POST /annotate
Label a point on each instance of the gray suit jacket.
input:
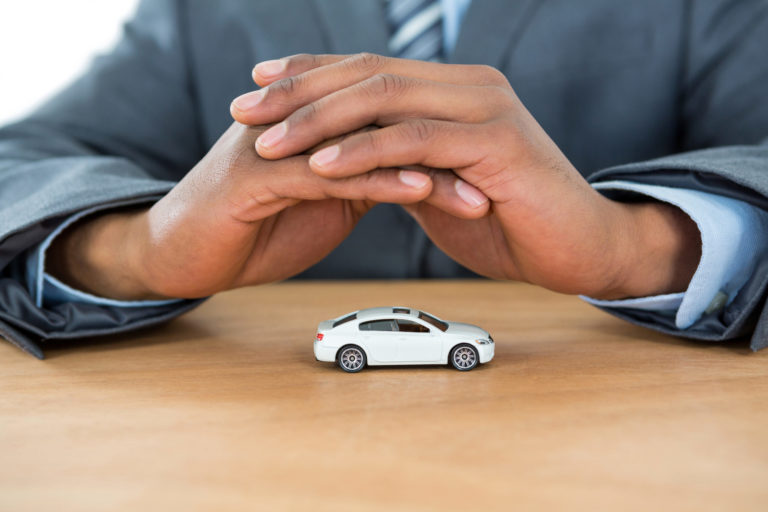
(668, 92)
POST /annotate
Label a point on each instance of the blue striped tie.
(417, 29)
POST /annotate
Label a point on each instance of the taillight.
(319, 336)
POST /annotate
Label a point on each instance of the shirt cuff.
(49, 291)
(734, 235)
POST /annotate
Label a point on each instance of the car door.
(417, 343)
(380, 338)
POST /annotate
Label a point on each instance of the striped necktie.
(417, 29)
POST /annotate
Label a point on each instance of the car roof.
(370, 313)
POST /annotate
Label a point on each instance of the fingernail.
(325, 156)
(249, 100)
(470, 194)
(273, 136)
(270, 68)
(414, 179)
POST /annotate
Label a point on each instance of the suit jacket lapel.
(490, 29)
(354, 25)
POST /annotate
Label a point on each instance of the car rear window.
(434, 321)
(344, 320)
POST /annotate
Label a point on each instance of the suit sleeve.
(724, 143)
(120, 135)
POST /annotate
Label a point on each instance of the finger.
(426, 142)
(326, 74)
(268, 71)
(368, 64)
(455, 196)
(292, 180)
(381, 100)
(443, 190)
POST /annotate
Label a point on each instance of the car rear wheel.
(464, 357)
(351, 358)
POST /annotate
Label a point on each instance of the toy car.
(396, 335)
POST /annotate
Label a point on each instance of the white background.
(44, 44)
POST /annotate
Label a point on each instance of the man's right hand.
(234, 220)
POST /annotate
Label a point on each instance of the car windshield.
(344, 320)
(443, 326)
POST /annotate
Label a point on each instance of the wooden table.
(226, 409)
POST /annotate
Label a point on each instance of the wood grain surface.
(226, 409)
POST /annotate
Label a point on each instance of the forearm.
(657, 247)
(102, 255)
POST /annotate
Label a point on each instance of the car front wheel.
(351, 358)
(464, 357)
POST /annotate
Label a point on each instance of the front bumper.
(486, 352)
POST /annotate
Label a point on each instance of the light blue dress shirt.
(734, 235)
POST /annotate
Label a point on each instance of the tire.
(351, 358)
(464, 357)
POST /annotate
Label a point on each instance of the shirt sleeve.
(734, 236)
(48, 291)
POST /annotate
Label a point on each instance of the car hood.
(468, 330)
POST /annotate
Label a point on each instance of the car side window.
(410, 326)
(377, 325)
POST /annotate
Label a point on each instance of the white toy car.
(396, 335)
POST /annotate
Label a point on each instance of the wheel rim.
(352, 359)
(464, 357)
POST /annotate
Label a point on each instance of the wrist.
(657, 250)
(99, 255)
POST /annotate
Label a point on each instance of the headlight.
(483, 341)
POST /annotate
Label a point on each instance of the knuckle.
(372, 142)
(494, 130)
(491, 76)
(287, 86)
(420, 130)
(371, 179)
(367, 62)
(498, 96)
(299, 61)
(301, 57)
(363, 184)
(307, 113)
(386, 85)
(298, 58)
(311, 60)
